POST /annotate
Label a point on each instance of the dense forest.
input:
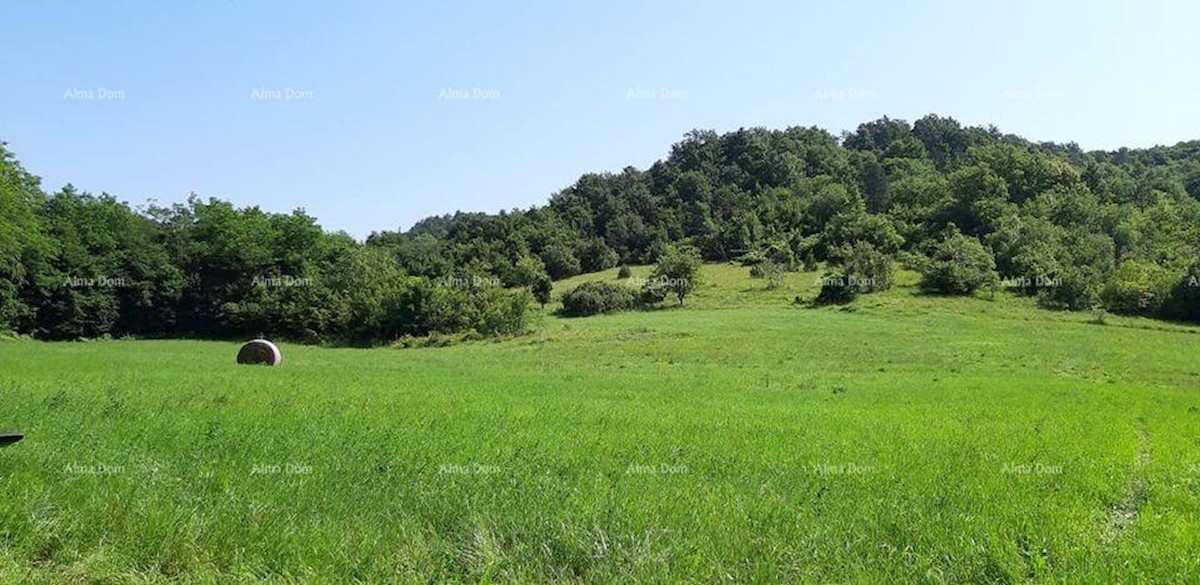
(1078, 230)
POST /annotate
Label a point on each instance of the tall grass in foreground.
(902, 439)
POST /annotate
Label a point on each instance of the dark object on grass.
(7, 439)
(259, 351)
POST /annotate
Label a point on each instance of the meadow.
(740, 438)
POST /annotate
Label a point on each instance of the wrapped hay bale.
(259, 351)
(7, 439)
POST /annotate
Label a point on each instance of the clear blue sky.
(399, 110)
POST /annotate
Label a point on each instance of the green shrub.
(865, 269)
(835, 289)
(774, 274)
(809, 261)
(752, 258)
(847, 228)
(524, 272)
(869, 267)
(1137, 288)
(541, 289)
(1184, 302)
(624, 272)
(772, 271)
(913, 261)
(498, 312)
(960, 265)
(594, 255)
(560, 261)
(1073, 289)
(678, 270)
(653, 291)
(594, 298)
(781, 253)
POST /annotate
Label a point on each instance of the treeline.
(73, 265)
(1078, 230)
(970, 207)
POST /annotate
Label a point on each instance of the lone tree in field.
(678, 271)
(541, 288)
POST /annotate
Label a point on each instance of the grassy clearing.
(902, 438)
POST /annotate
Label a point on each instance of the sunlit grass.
(902, 438)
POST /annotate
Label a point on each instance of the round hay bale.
(259, 351)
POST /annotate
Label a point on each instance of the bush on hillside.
(595, 298)
(1074, 289)
(913, 261)
(959, 265)
(653, 292)
(541, 289)
(524, 272)
(773, 272)
(678, 270)
(496, 312)
(1137, 288)
(1184, 302)
(865, 269)
(594, 256)
(871, 267)
(752, 258)
(834, 289)
(560, 261)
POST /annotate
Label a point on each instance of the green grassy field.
(739, 439)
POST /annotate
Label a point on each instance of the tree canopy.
(1118, 229)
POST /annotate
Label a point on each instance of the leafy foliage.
(865, 269)
(541, 289)
(595, 298)
(960, 265)
(677, 272)
(1137, 288)
(1184, 302)
(1118, 229)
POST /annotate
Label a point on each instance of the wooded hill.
(1117, 230)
